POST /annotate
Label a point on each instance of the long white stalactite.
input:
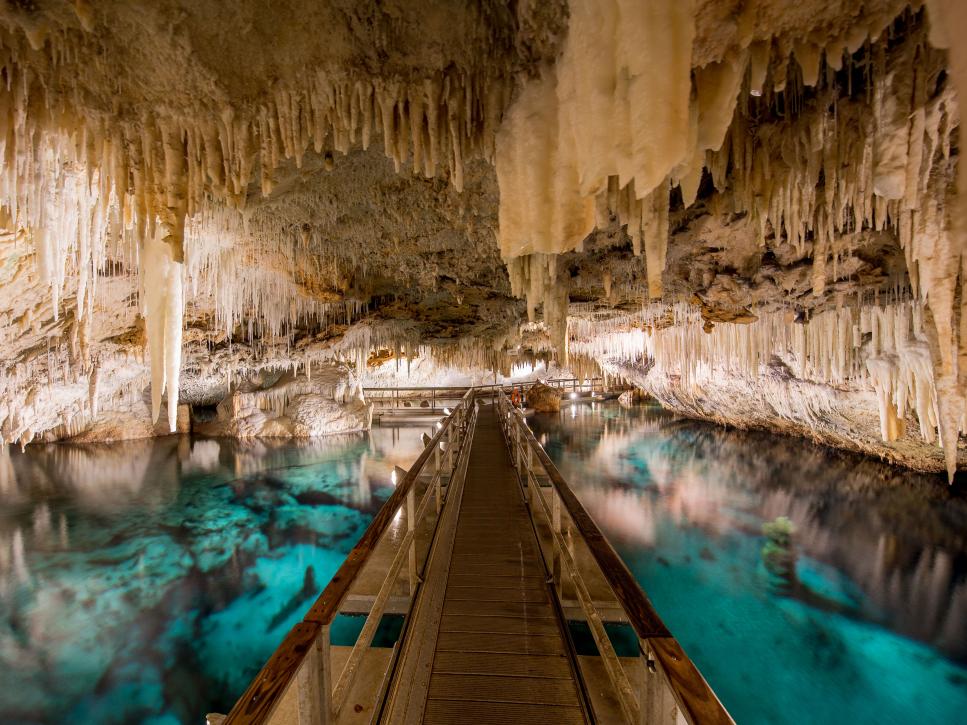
(164, 312)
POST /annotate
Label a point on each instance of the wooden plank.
(448, 712)
(502, 688)
(503, 625)
(531, 610)
(498, 642)
(501, 594)
(477, 568)
(498, 581)
(470, 663)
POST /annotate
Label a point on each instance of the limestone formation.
(754, 210)
(543, 398)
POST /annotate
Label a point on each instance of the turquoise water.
(147, 582)
(860, 616)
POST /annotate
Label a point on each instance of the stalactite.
(163, 311)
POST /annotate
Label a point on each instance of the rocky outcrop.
(127, 424)
(632, 397)
(292, 406)
(544, 398)
(844, 416)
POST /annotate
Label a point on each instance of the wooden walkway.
(501, 654)
(484, 639)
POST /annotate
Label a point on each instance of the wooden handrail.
(264, 693)
(488, 386)
(697, 701)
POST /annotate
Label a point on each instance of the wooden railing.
(438, 397)
(581, 559)
(299, 683)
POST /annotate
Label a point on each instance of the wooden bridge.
(491, 565)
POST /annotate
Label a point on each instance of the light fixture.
(446, 411)
(574, 396)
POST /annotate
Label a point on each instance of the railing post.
(531, 476)
(656, 703)
(556, 526)
(451, 445)
(442, 466)
(438, 492)
(313, 683)
(411, 527)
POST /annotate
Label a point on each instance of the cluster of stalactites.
(647, 224)
(880, 346)
(535, 277)
(68, 186)
(435, 123)
(593, 116)
(878, 160)
(606, 338)
(70, 183)
(593, 127)
(260, 279)
(883, 159)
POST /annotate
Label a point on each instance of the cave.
(482, 360)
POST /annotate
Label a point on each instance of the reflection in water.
(147, 581)
(853, 608)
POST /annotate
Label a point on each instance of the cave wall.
(761, 199)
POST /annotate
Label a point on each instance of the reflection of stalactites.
(18, 559)
(41, 521)
(204, 456)
(62, 532)
(8, 477)
(364, 491)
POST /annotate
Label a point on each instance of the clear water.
(860, 618)
(147, 582)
